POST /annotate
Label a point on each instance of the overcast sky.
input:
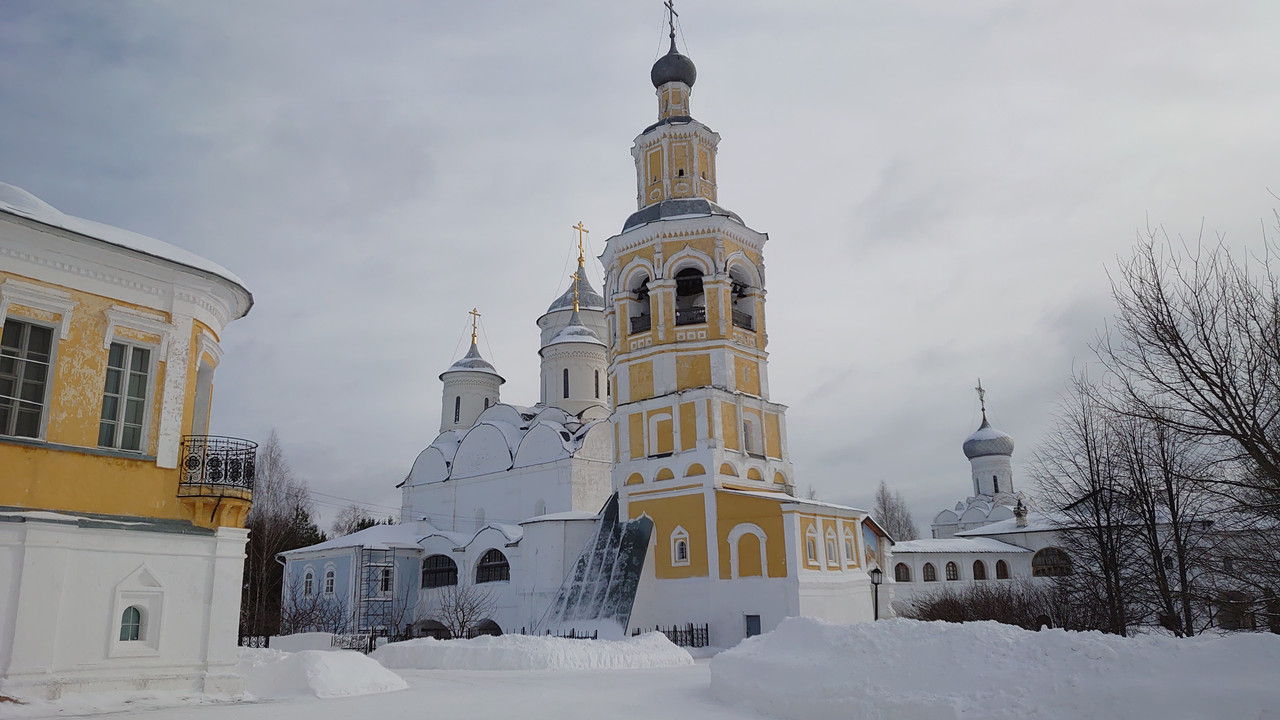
(945, 186)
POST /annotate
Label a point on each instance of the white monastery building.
(650, 484)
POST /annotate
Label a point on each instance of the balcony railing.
(691, 316)
(641, 324)
(210, 462)
(743, 320)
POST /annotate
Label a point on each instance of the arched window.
(638, 305)
(930, 574)
(1050, 562)
(833, 555)
(486, 403)
(979, 570)
(457, 408)
(953, 571)
(901, 573)
(691, 306)
(308, 584)
(597, 384)
(439, 571)
(743, 302)
(131, 624)
(566, 382)
(995, 480)
(679, 547)
(493, 567)
(1002, 570)
(849, 547)
(811, 544)
(328, 582)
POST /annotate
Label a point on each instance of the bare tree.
(352, 518)
(891, 512)
(314, 612)
(279, 520)
(460, 607)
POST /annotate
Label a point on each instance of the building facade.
(121, 519)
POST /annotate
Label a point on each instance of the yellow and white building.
(700, 447)
(121, 520)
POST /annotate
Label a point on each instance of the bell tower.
(685, 307)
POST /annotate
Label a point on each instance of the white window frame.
(811, 544)
(330, 580)
(680, 535)
(49, 376)
(308, 582)
(385, 578)
(832, 548)
(148, 398)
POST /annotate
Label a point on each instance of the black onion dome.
(673, 67)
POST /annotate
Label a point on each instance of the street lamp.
(877, 576)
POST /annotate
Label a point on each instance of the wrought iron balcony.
(213, 465)
(641, 323)
(743, 320)
(691, 316)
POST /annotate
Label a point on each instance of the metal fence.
(687, 635)
(254, 641)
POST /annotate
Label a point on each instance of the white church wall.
(66, 590)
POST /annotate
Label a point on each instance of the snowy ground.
(892, 670)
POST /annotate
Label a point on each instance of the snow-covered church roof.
(987, 440)
(587, 296)
(472, 362)
(956, 545)
(507, 436)
(576, 332)
(16, 201)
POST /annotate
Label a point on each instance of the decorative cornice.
(136, 320)
(205, 343)
(37, 297)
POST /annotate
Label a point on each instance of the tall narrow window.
(457, 408)
(387, 582)
(308, 584)
(124, 399)
(597, 384)
(328, 582)
(486, 403)
(995, 480)
(566, 382)
(24, 375)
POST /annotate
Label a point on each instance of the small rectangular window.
(457, 408)
(25, 354)
(597, 384)
(124, 398)
(566, 382)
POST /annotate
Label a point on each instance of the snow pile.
(530, 652)
(909, 670)
(272, 674)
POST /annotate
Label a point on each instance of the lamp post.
(877, 576)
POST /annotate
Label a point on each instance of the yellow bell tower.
(689, 371)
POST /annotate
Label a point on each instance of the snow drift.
(909, 670)
(272, 674)
(531, 652)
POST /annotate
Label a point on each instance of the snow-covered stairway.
(600, 590)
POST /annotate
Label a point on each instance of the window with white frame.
(308, 584)
(679, 547)
(387, 582)
(26, 351)
(328, 581)
(132, 628)
(811, 544)
(833, 556)
(850, 547)
(124, 397)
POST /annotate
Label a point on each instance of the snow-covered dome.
(576, 332)
(987, 440)
(587, 296)
(472, 362)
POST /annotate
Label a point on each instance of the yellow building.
(121, 519)
(701, 449)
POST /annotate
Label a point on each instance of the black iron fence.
(687, 635)
(641, 323)
(743, 320)
(691, 316)
(213, 461)
(254, 641)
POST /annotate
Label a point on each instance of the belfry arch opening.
(691, 301)
(638, 304)
(743, 298)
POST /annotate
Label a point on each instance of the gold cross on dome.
(575, 279)
(475, 315)
(582, 231)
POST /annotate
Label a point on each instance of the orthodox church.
(651, 482)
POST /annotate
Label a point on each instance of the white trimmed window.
(679, 547)
(850, 547)
(387, 583)
(811, 544)
(26, 354)
(833, 555)
(124, 398)
(328, 581)
(308, 584)
(132, 628)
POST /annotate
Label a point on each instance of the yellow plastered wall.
(641, 374)
(829, 526)
(693, 371)
(729, 425)
(732, 510)
(686, 511)
(62, 478)
(688, 426)
(772, 435)
(663, 440)
(747, 373)
(635, 429)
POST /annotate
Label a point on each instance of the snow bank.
(298, 642)
(529, 652)
(909, 670)
(273, 674)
